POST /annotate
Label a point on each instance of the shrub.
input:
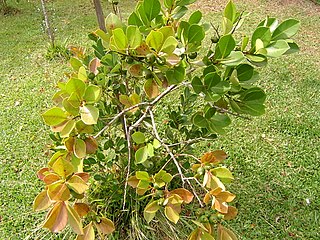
(130, 116)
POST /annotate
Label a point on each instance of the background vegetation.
(274, 157)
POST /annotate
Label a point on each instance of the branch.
(118, 116)
(190, 141)
(155, 131)
(223, 110)
(235, 26)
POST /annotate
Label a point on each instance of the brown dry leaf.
(81, 208)
(231, 214)
(186, 195)
(106, 226)
(93, 65)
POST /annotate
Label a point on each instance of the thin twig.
(190, 141)
(188, 155)
(128, 138)
(216, 29)
(236, 25)
(223, 110)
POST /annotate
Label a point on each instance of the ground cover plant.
(135, 65)
(256, 223)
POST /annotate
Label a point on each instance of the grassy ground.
(275, 157)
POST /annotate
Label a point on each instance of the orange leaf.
(226, 196)
(42, 173)
(231, 214)
(207, 198)
(74, 220)
(42, 201)
(106, 226)
(51, 178)
(81, 208)
(186, 195)
(57, 218)
(222, 207)
(88, 233)
(220, 155)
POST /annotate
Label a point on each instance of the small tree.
(132, 114)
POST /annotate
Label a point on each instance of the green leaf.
(155, 40)
(195, 17)
(195, 34)
(213, 84)
(151, 8)
(150, 150)
(74, 220)
(54, 116)
(75, 63)
(162, 177)
(82, 74)
(69, 107)
(277, 49)
(119, 39)
(270, 22)
(185, 2)
(286, 29)
(83, 128)
(234, 59)
(92, 94)
(156, 144)
(262, 33)
(134, 37)
(200, 121)
(134, 20)
(168, 3)
(218, 122)
(89, 114)
(75, 85)
(227, 25)
(171, 214)
(176, 75)
(79, 148)
(293, 48)
(197, 84)
(141, 155)
(138, 137)
(230, 11)
(245, 72)
(179, 12)
(224, 47)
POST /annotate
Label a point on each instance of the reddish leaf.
(91, 145)
(105, 226)
(186, 195)
(57, 218)
(85, 176)
(81, 208)
(93, 65)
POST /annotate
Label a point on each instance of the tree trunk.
(99, 13)
(47, 22)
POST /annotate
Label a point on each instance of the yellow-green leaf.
(54, 116)
(62, 167)
(89, 114)
(171, 214)
(77, 184)
(42, 201)
(92, 94)
(58, 192)
(74, 220)
(225, 234)
(65, 132)
(79, 148)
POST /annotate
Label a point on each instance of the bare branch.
(128, 138)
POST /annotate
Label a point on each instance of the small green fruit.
(193, 55)
(214, 39)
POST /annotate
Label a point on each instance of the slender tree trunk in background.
(99, 13)
(47, 22)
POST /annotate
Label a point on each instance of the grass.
(274, 157)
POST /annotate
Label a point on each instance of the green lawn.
(275, 158)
